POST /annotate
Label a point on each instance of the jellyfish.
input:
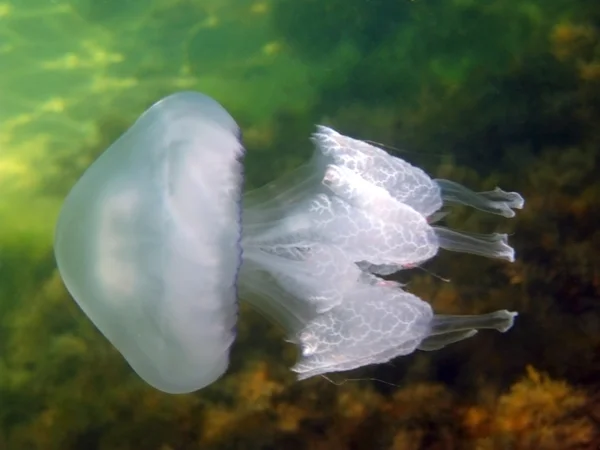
(156, 244)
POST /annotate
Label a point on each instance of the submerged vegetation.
(485, 93)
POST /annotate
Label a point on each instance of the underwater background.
(486, 93)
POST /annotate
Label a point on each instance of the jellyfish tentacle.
(495, 202)
(439, 341)
(501, 320)
(494, 245)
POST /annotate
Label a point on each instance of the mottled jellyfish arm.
(404, 182)
(447, 329)
(371, 225)
(357, 191)
(495, 202)
(374, 324)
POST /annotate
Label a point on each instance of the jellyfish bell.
(147, 242)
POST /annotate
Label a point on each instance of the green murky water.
(485, 93)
